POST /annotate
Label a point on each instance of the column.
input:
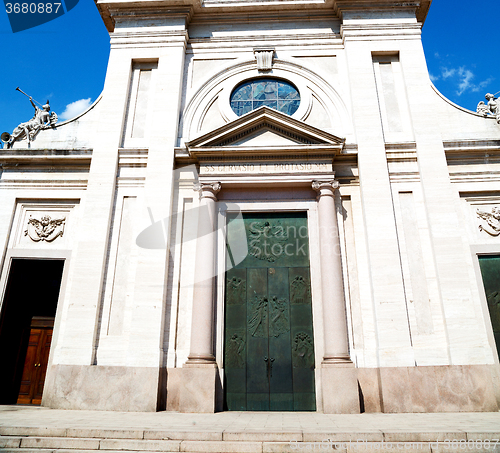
(340, 387)
(334, 316)
(203, 298)
(199, 373)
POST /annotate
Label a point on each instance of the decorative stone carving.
(492, 108)
(264, 56)
(325, 187)
(207, 190)
(492, 226)
(45, 229)
(42, 119)
(266, 240)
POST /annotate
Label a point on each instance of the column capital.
(207, 190)
(325, 187)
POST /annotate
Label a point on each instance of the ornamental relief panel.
(266, 240)
(45, 229)
(43, 225)
(268, 316)
(236, 291)
(482, 218)
(490, 221)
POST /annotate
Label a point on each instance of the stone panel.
(174, 380)
(101, 388)
(456, 388)
(368, 381)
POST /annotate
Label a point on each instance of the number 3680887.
(32, 8)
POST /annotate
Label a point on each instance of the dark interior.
(32, 290)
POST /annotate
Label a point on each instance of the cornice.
(421, 7)
(111, 9)
(45, 157)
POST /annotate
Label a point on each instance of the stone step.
(70, 440)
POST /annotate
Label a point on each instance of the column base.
(198, 387)
(200, 360)
(340, 388)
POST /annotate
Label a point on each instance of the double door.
(269, 348)
(35, 365)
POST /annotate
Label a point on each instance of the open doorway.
(26, 325)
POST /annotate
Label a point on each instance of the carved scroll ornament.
(46, 229)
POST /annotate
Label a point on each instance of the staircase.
(43, 430)
(73, 440)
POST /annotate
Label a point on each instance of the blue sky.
(65, 60)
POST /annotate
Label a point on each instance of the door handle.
(269, 363)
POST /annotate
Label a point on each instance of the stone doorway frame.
(63, 255)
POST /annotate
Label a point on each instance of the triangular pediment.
(265, 136)
(262, 130)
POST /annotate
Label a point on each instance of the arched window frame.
(277, 101)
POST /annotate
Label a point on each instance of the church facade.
(269, 207)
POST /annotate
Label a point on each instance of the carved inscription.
(266, 168)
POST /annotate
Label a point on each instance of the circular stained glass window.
(273, 93)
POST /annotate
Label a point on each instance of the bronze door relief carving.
(269, 348)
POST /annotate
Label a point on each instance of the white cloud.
(75, 108)
(447, 73)
(462, 78)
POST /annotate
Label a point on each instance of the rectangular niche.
(47, 224)
(137, 115)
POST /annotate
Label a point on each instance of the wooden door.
(269, 350)
(35, 364)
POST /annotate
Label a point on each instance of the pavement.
(41, 417)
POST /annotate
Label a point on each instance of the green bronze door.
(269, 350)
(490, 271)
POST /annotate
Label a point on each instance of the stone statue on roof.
(492, 108)
(42, 119)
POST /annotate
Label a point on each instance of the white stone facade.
(400, 316)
